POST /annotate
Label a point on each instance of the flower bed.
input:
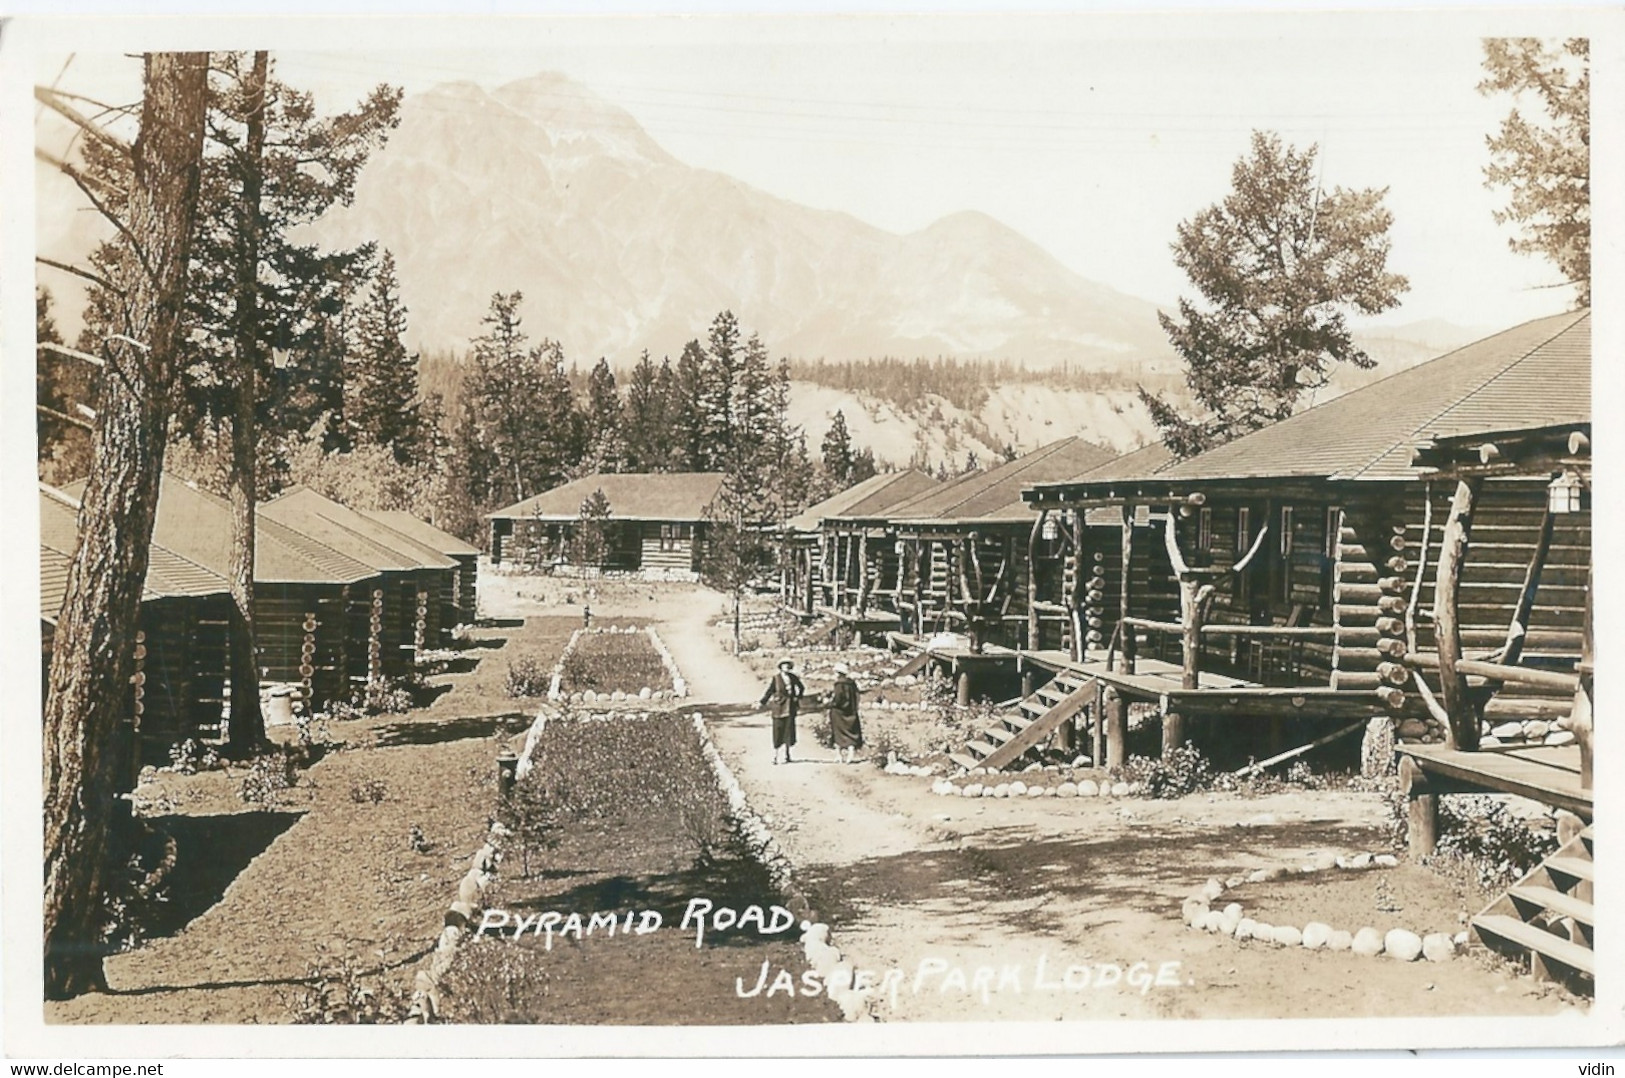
(615, 664)
(606, 831)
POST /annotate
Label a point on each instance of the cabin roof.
(197, 525)
(169, 575)
(867, 499)
(423, 532)
(666, 496)
(1534, 374)
(368, 541)
(995, 494)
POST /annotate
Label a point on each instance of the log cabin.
(461, 605)
(802, 538)
(656, 525)
(416, 577)
(966, 550)
(1290, 554)
(1517, 719)
(322, 619)
(180, 645)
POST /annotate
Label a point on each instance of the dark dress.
(784, 692)
(842, 710)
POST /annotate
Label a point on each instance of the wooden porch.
(1549, 774)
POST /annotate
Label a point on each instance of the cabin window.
(1204, 530)
(670, 534)
(1286, 531)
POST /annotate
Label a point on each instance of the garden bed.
(622, 814)
(609, 661)
(1407, 896)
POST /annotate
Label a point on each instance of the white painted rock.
(1263, 931)
(1018, 789)
(1213, 921)
(468, 890)
(618, 696)
(1508, 730)
(1067, 789)
(1385, 860)
(1081, 761)
(1002, 790)
(1030, 768)
(576, 697)
(1037, 791)
(1244, 928)
(1315, 935)
(1258, 875)
(1360, 861)
(1559, 737)
(1120, 789)
(1367, 942)
(1263, 819)
(1286, 936)
(1233, 911)
(1339, 940)
(941, 787)
(1088, 788)
(973, 789)
(1105, 789)
(1402, 944)
(1438, 947)
(1535, 729)
(816, 933)
(1228, 920)
(1193, 912)
(1234, 882)
(1212, 889)
(646, 693)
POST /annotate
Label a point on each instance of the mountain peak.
(570, 112)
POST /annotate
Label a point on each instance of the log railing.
(1261, 634)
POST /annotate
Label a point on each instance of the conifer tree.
(689, 421)
(836, 452)
(382, 406)
(605, 421)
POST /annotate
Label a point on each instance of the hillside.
(542, 187)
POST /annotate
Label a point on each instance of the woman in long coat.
(784, 692)
(842, 711)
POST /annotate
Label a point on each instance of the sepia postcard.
(807, 534)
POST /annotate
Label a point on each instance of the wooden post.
(1098, 721)
(863, 573)
(1422, 824)
(1190, 632)
(1519, 627)
(1116, 709)
(1028, 686)
(1580, 718)
(1173, 732)
(1125, 641)
(1032, 581)
(1463, 729)
(962, 688)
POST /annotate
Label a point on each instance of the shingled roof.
(1534, 374)
(865, 500)
(422, 531)
(996, 494)
(665, 496)
(333, 524)
(169, 575)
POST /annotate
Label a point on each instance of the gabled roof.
(1532, 375)
(996, 494)
(425, 533)
(344, 529)
(197, 525)
(867, 499)
(169, 575)
(681, 496)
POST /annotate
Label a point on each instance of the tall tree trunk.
(92, 658)
(247, 729)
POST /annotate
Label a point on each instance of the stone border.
(822, 955)
(1014, 786)
(679, 685)
(1198, 913)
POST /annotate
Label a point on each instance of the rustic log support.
(1580, 719)
(1519, 627)
(1125, 660)
(1422, 816)
(962, 689)
(1032, 581)
(1116, 709)
(1173, 732)
(1463, 728)
(1097, 719)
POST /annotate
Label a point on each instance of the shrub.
(495, 982)
(528, 676)
(191, 756)
(268, 775)
(340, 992)
(1183, 771)
(887, 747)
(368, 791)
(1497, 846)
(139, 886)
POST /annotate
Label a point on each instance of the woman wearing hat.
(784, 691)
(842, 710)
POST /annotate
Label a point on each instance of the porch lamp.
(1563, 493)
(1051, 530)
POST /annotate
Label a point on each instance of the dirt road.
(1050, 909)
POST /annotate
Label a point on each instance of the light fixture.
(1051, 531)
(1563, 493)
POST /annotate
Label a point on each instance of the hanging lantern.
(1563, 493)
(1051, 530)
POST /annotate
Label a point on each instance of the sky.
(1092, 135)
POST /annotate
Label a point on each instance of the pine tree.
(718, 402)
(645, 432)
(382, 406)
(836, 453)
(605, 421)
(1278, 263)
(589, 546)
(689, 420)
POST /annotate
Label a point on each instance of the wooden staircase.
(1547, 917)
(1035, 718)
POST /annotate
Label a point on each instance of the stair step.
(961, 760)
(1556, 901)
(1576, 868)
(1001, 734)
(1531, 938)
(981, 748)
